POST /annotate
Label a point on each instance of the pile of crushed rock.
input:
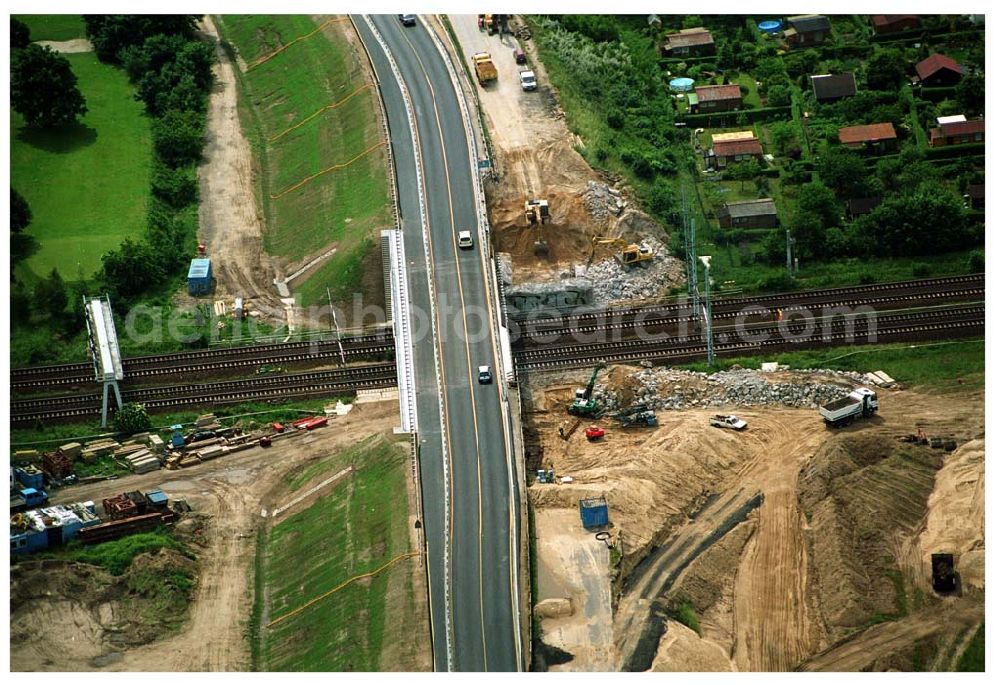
(662, 388)
(613, 281)
(603, 201)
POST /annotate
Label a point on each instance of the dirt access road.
(230, 492)
(230, 225)
(534, 154)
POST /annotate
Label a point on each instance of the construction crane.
(585, 404)
(628, 253)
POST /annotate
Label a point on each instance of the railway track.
(758, 339)
(533, 331)
(349, 379)
(355, 349)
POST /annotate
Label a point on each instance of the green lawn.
(87, 185)
(355, 529)
(345, 205)
(53, 26)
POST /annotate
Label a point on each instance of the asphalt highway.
(476, 531)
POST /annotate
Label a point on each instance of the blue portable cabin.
(594, 512)
(200, 276)
(156, 499)
(29, 477)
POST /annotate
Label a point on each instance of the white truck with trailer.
(860, 403)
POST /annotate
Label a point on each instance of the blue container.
(594, 512)
(200, 276)
(32, 479)
(770, 27)
(682, 84)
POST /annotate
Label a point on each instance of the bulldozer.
(628, 253)
(636, 415)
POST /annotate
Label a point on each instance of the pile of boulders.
(663, 388)
(614, 281)
(603, 201)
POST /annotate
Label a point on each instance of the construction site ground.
(71, 632)
(796, 546)
(535, 157)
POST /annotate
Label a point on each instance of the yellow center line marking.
(468, 356)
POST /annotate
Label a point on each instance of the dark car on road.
(408, 19)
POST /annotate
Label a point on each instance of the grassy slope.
(937, 366)
(358, 527)
(53, 26)
(346, 205)
(87, 185)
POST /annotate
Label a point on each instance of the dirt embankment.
(230, 225)
(227, 496)
(535, 156)
(787, 540)
(93, 609)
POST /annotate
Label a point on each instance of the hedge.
(937, 94)
(950, 151)
(721, 119)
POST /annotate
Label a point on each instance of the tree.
(132, 418)
(43, 88)
(20, 34)
(178, 187)
(131, 269)
(885, 69)
(784, 136)
(744, 171)
(692, 21)
(842, 170)
(50, 295)
(816, 210)
(170, 72)
(20, 303)
(926, 222)
(779, 95)
(20, 212)
(112, 33)
(971, 94)
(178, 137)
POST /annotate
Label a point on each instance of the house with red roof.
(938, 71)
(958, 133)
(876, 137)
(717, 98)
(894, 23)
(726, 152)
(696, 41)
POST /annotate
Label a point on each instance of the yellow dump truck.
(486, 71)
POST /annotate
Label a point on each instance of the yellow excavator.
(536, 212)
(628, 253)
